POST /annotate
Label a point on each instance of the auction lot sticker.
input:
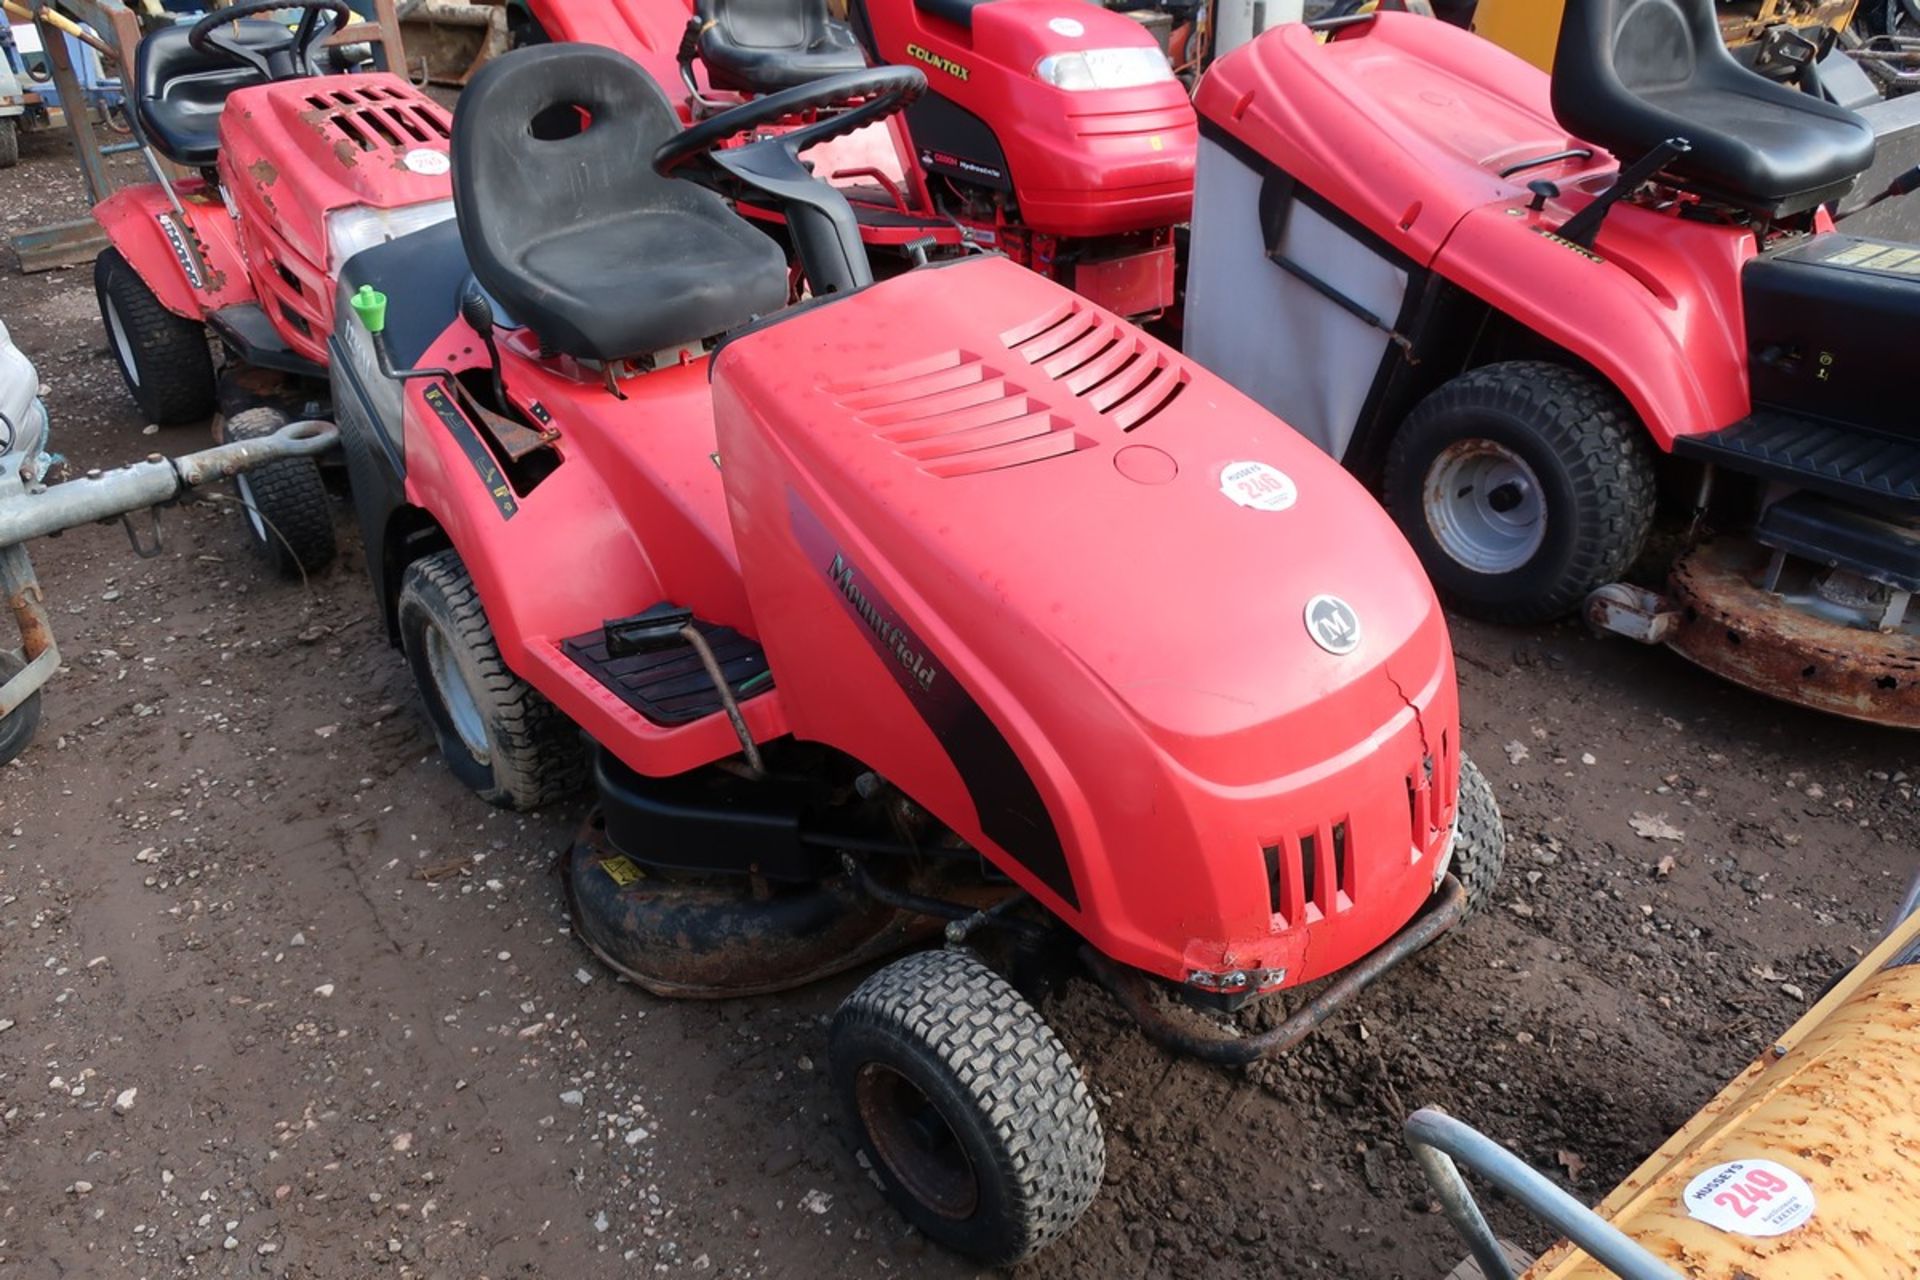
(1750, 1198)
(1257, 485)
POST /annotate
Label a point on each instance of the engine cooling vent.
(380, 118)
(1310, 875)
(955, 415)
(1101, 361)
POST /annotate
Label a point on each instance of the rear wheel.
(967, 1106)
(164, 357)
(1479, 838)
(1522, 486)
(18, 725)
(500, 737)
(289, 518)
(9, 143)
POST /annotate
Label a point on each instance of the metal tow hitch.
(29, 509)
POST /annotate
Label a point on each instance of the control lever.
(1584, 226)
(1904, 185)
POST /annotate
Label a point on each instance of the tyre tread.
(538, 758)
(176, 364)
(1602, 447)
(292, 499)
(1009, 1061)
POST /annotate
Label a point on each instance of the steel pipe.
(72, 503)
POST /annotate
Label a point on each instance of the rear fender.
(1656, 311)
(193, 268)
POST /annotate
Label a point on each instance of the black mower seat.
(180, 93)
(1629, 74)
(764, 46)
(568, 226)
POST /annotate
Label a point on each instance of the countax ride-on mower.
(1521, 322)
(950, 598)
(297, 171)
(1053, 131)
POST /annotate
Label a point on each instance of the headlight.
(1104, 68)
(351, 230)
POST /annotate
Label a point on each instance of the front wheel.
(9, 143)
(289, 519)
(163, 357)
(967, 1106)
(501, 738)
(18, 726)
(1479, 838)
(1522, 486)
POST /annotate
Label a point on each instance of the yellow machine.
(1805, 1167)
(1530, 27)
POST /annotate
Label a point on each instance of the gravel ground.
(278, 998)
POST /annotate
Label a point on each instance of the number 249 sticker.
(1257, 485)
(1750, 1198)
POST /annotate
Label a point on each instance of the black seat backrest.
(767, 24)
(179, 92)
(1630, 74)
(567, 224)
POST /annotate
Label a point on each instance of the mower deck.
(687, 936)
(1747, 635)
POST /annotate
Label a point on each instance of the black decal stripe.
(469, 441)
(1012, 813)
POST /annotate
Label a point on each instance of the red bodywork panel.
(648, 31)
(634, 515)
(295, 151)
(192, 270)
(1404, 124)
(1107, 656)
(1004, 552)
(290, 154)
(1093, 163)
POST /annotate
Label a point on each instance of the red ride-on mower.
(297, 171)
(947, 600)
(1520, 304)
(1054, 131)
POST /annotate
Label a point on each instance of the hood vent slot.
(379, 118)
(955, 415)
(1102, 361)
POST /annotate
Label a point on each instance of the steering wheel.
(293, 57)
(818, 216)
(696, 148)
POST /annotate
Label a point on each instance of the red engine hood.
(304, 148)
(1052, 482)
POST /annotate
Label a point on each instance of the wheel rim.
(463, 711)
(1484, 506)
(251, 506)
(122, 346)
(916, 1143)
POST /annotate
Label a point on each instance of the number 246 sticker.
(1750, 1198)
(1257, 485)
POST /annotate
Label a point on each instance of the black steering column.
(825, 233)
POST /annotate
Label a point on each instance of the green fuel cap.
(371, 306)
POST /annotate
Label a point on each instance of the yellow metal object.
(1531, 28)
(1837, 1101)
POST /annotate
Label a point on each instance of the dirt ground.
(212, 893)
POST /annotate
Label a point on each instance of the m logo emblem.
(1333, 625)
